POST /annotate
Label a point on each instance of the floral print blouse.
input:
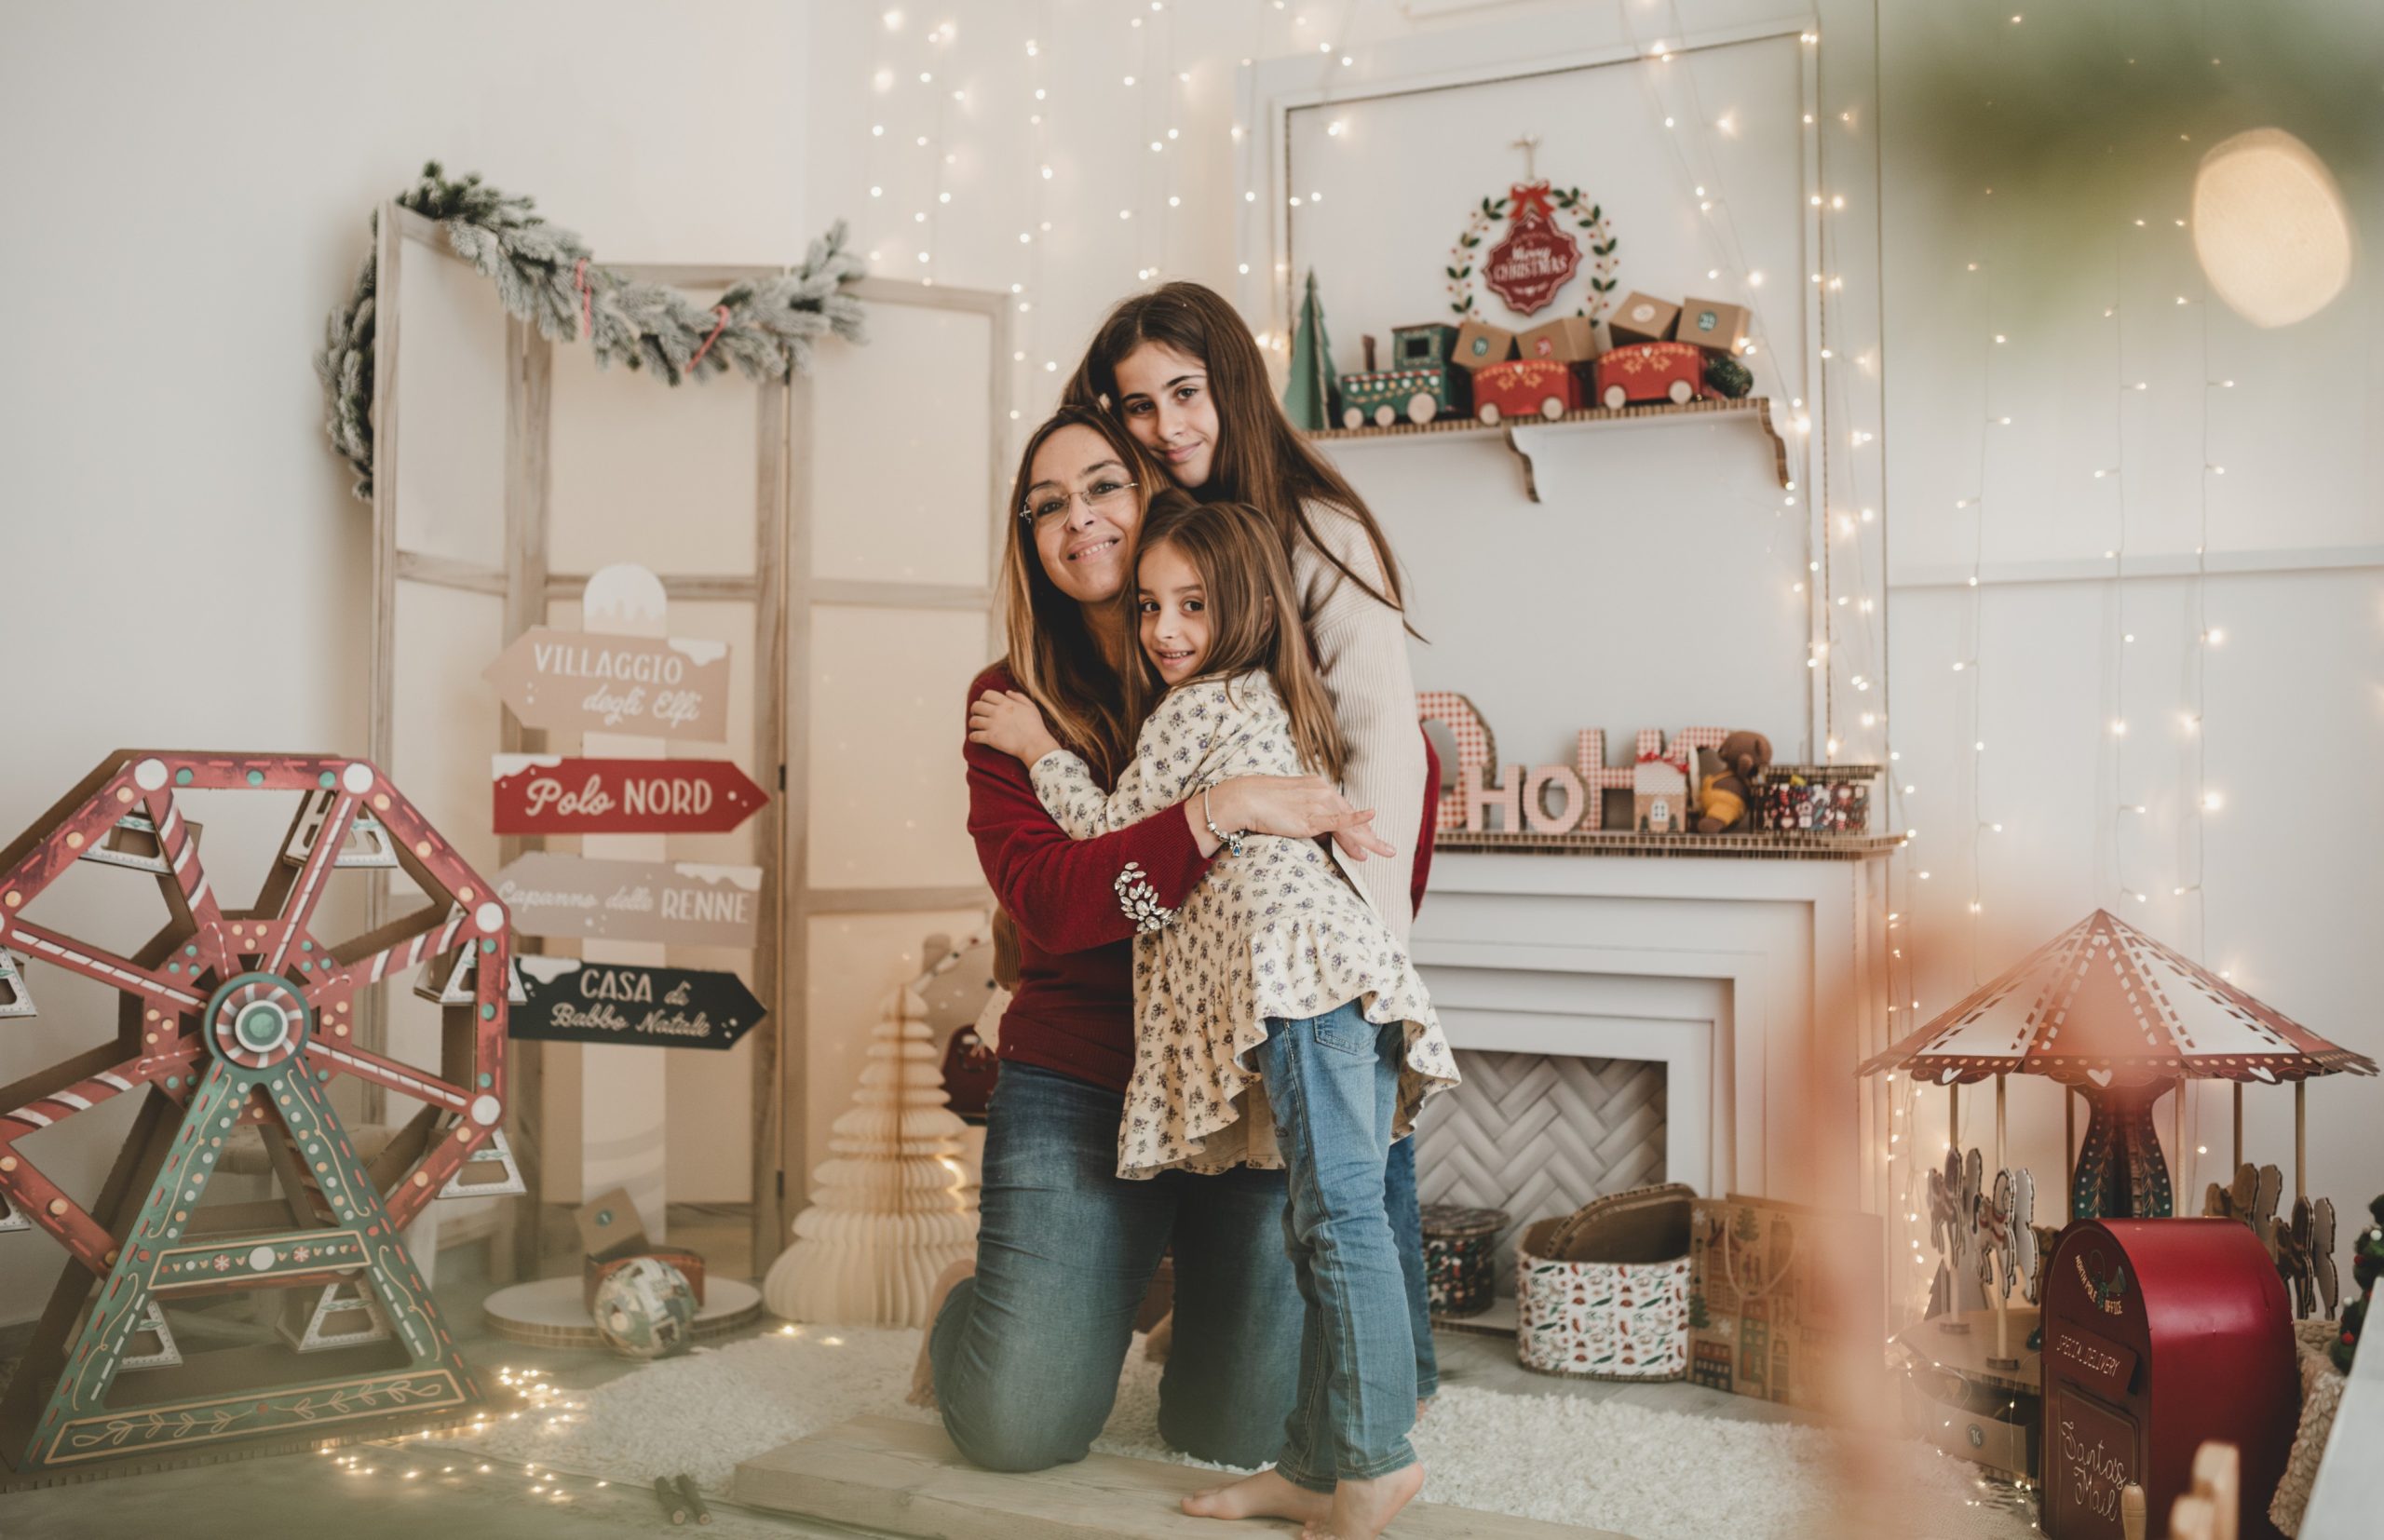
(1275, 933)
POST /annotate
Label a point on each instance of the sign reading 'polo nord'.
(678, 904)
(547, 794)
(589, 682)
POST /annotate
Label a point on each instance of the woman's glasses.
(1046, 506)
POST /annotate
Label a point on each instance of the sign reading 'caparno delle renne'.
(642, 686)
(680, 903)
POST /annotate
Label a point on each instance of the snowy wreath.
(545, 274)
(1589, 218)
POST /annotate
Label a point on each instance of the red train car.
(1643, 372)
(2161, 1333)
(1524, 387)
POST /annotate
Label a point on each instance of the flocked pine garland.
(545, 274)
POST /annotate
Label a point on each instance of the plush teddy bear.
(1725, 800)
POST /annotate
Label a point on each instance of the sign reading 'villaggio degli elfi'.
(590, 681)
(681, 903)
(571, 1001)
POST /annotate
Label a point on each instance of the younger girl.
(1278, 1019)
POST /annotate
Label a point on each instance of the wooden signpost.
(680, 904)
(587, 681)
(571, 1001)
(548, 795)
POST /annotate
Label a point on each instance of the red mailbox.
(2161, 1333)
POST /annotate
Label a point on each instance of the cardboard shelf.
(1758, 409)
(1624, 841)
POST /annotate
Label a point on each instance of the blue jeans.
(1334, 1083)
(1027, 1352)
(1407, 1229)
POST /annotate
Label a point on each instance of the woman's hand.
(1009, 722)
(1298, 808)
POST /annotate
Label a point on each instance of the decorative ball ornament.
(645, 1309)
(2271, 229)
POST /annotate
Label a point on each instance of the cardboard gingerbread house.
(1659, 795)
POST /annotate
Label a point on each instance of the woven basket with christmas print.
(1603, 1294)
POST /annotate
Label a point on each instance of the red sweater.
(1074, 1009)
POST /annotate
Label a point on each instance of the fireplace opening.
(1536, 1134)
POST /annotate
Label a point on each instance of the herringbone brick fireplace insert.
(1538, 1134)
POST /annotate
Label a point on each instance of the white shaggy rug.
(1652, 1474)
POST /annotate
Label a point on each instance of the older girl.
(1179, 369)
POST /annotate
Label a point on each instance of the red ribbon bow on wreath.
(1529, 197)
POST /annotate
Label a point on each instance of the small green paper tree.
(1312, 394)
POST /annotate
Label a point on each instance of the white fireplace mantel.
(1760, 984)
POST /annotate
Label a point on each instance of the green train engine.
(1420, 384)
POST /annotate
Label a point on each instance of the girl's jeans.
(1333, 1081)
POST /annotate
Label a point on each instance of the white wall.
(188, 191)
(2082, 120)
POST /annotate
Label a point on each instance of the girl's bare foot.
(923, 1373)
(1360, 1511)
(1265, 1495)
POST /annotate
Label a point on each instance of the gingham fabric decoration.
(1589, 760)
(1475, 748)
(1589, 755)
(1478, 751)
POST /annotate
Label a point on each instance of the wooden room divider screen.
(491, 495)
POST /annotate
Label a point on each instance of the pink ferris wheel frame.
(243, 1016)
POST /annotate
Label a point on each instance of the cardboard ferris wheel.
(234, 1026)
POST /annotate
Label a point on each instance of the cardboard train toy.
(1553, 369)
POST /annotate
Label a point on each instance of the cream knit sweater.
(1361, 643)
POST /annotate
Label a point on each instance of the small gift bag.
(1780, 1295)
(1604, 1293)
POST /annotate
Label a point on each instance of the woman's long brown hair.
(1260, 457)
(1254, 613)
(1053, 655)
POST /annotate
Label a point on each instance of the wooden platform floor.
(906, 1478)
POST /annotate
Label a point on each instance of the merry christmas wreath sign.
(1536, 256)
(544, 274)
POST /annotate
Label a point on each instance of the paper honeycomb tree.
(893, 1208)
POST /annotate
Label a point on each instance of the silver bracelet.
(1231, 842)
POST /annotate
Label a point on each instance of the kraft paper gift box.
(1712, 323)
(1567, 339)
(1479, 342)
(1642, 318)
